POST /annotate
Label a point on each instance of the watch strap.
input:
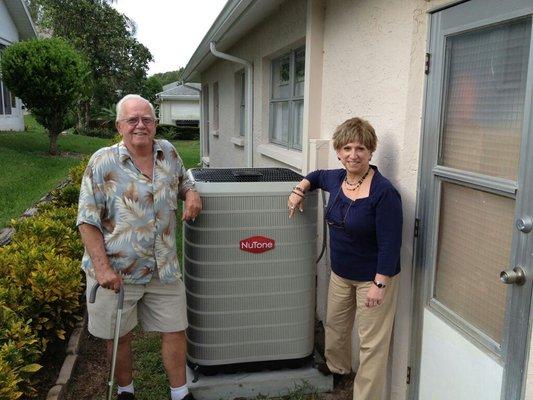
(379, 284)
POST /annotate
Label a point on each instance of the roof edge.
(225, 20)
(25, 25)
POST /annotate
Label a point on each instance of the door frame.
(514, 347)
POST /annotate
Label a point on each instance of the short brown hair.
(355, 130)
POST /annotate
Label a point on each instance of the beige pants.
(346, 298)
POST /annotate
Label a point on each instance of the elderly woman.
(364, 215)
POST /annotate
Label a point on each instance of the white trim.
(179, 97)
(290, 157)
(237, 141)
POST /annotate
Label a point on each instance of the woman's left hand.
(374, 296)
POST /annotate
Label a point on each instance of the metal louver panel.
(245, 306)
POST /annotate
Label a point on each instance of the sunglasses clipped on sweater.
(331, 222)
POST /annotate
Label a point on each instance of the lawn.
(29, 172)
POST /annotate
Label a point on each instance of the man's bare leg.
(173, 352)
(123, 369)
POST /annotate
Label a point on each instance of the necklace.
(354, 186)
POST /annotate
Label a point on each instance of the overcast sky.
(171, 29)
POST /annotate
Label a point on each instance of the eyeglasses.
(332, 223)
(134, 121)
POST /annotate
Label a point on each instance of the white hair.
(121, 102)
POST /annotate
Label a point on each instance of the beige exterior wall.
(276, 35)
(374, 68)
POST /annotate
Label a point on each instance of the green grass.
(29, 172)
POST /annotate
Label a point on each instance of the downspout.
(248, 134)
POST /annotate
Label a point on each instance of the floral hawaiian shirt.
(136, 215)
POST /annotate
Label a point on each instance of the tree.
(49, 76)
(151, 87)
(168, 77)
(118, 62)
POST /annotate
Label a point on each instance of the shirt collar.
(124, 154)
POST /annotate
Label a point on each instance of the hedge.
(40, 288)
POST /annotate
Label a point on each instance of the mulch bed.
(89, 380)
(51, 362)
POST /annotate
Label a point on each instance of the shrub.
(67, 196)
(49, 75)
(188, 133)
(76, 173)
(52, 226)
(19, 350)
(173, 132)
(168, 132)
(100, 132)
(41, 285)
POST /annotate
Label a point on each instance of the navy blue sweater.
(369, 239)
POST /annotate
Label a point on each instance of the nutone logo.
(257, 244)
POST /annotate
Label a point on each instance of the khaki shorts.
(161, 307)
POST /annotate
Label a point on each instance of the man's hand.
(109, 279)
(94, 243)
(192, 205)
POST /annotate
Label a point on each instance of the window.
(240, 86)
(215, 109)
(7, 100)
(287, 99)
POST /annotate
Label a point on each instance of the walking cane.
(120, 303)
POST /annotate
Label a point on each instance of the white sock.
(179, 392)
(128, 388)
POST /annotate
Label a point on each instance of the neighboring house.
(179, 104)
(448, 85)
(171, 85)
(15, 25)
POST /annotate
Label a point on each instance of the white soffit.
(21, 17)
(234, 21)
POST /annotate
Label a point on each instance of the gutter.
(248, 118)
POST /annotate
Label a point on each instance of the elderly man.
(127, 220)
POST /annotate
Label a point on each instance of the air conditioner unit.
(249, 270)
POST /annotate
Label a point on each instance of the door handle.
(515, 276)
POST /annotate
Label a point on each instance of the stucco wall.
(275, 35)
(374, 68)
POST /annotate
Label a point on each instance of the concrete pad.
(248, 385)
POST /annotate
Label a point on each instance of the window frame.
(292, 100)
(240, 103)
(6, 96)
(216, 110)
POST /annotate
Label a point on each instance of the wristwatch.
(379, 284)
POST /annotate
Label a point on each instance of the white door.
(475, 205)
